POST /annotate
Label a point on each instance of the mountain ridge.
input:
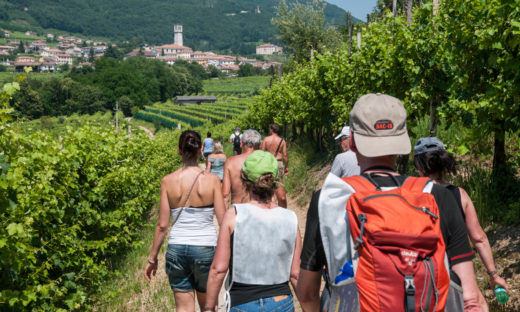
(233, 25)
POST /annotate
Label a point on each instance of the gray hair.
(251, 138)
(217, 148)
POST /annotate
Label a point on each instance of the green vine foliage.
(68, 206)
(460, 65)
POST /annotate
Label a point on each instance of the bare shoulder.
(170, 178)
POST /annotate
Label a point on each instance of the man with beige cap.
(379, 135)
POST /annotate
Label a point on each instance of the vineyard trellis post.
(117, 119)
(409, 5)
(394, 8)
(359, 40)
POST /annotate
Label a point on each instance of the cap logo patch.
(383, 125)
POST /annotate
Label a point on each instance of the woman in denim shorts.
(192, 197)
(259, 242)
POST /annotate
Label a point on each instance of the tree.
(91, 55)
(303, 29)
(27, 101)
(21, 48)
(112, 52)
(126, 105)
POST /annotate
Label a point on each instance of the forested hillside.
(208, 24)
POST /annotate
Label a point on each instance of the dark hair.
(264, 186)
(436, 163)
(209, 134)
(275, 128)
(189, 144)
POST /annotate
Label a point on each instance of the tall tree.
(304, 30)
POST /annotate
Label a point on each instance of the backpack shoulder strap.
(359, 183)
(415, 184)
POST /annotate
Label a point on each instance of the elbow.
(162, 228)
(479, 238)
(306, 297)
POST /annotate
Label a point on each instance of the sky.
(358, 8)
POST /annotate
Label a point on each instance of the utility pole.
(117, 119)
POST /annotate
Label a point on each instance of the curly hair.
(264, 187)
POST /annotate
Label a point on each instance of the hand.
(286, 171)
(495, 279)
(151, 270)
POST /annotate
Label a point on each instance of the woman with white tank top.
(191, 197)
(259, 242)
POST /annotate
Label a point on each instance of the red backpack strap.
(415, 184)
(359, 183)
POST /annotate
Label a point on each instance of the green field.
(242, 85)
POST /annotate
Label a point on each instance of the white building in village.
(268, 49)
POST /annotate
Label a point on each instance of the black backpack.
(236, 141)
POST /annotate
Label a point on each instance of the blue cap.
(237, 128)
(428, 144)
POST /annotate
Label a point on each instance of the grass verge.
(128, 290)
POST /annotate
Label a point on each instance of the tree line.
(133, 83)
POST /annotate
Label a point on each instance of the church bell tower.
(177, 30)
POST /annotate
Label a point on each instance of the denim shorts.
(188, 267)
(273, 304)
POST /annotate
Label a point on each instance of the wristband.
(152, 262)
(208, 310)
(491, 273)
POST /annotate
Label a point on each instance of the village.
(68, 51)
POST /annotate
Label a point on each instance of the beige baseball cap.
(378, 122)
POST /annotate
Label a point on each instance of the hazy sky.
(358, 8)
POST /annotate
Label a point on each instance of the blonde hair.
(217, 148)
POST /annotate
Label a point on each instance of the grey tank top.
(263, 245)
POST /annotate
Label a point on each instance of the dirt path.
(150, 132)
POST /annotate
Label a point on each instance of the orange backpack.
(401, 250)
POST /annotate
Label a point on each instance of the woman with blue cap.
(259, 242)
(432, 160)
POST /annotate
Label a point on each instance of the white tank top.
(194, 227)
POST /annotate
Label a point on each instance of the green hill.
(208, 24)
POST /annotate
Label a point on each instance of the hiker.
(432, 160)
(235, 139)
(207, 146)
(336, 235)
(276, 145)
(260, 244)
(216, 161)
(345, 164)
(231, 184)
(192, 197)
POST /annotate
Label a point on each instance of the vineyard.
(236, 86)
(171, 115)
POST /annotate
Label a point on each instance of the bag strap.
(187, 197)
(415, 184)
(360, 183)
(278, 148)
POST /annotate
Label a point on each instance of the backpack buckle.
(363, 219)
(409, 285)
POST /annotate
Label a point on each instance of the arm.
(220, 264)
(308, 290)
(479, 239)
(226, 184)
(471, 293)
(160, 232)
(218, 201)
(295, 266)
(285, 158)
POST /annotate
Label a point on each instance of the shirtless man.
(275, 145)
(231, 183)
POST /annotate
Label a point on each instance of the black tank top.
(456, 193)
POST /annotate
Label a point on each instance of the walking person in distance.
(345, 164)
(259, 242)
(192, 197)
(277, 146)
(235, 139)
(207, 147)
(216, 161)
(232, 186)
